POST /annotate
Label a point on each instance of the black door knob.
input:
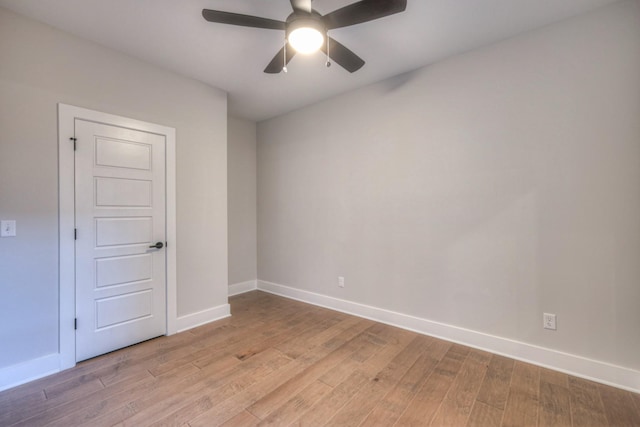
(158, 245)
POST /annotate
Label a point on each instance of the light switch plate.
(7, 228)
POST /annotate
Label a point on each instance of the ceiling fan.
(306, 30)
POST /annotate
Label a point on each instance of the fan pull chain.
(284, 59)
(328, 63)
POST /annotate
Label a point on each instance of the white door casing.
(120, 214)
(121, 294)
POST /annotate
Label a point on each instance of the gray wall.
(479, 192)
(40, 67)
(241, 165)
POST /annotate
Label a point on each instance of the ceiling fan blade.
(301, 5)
(343, 56)
(242, 20)
(276, 64)
(362, 11)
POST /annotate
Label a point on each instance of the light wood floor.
(281, 362)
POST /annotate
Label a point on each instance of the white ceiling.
(172, 34)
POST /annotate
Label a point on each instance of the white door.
(120, 215)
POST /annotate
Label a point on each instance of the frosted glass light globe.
(306, 40)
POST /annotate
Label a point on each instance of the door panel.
(123, 231)
(119, 309)
(123, 193)
(123, 269)
(120, 213)
(123, 154)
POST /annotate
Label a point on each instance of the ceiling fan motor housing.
(305, 32)
(305, 20)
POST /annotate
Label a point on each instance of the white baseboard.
(22, 373)
(242, 287)
(200, 318)
(578, 366)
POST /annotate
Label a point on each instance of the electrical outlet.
(341, 281)
(7, 228)
(549, 321)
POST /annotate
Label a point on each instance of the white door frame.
(66, 182)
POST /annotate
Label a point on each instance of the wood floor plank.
(283, 362)
(169, 384)
(522, 403)
(11, 413)
(297, 405)
(116, 366)
(243, 419)
(57, 410)
(619, 407)
(226, 409)
(426, 402)
(219, 339)
(395, 340)
(555, 403)
(61, 396)
(263, 407)
(351, 374)
(324, 356)
(299, 326)
(252, 341)
(456, 406)
(111, 409)
(495, 387)
(191, 401)
(554, 377)
(359, 407)
(352, 362)
(586, 405)
(116, 374)
(296, 345)
(391, 407)
(484, 415)
(344, 336)
(75, 387)
(26, 392)
(133, 354)
(636, 400)
(328, 405)
(367, 349)
(295, 349)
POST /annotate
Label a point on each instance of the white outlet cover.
(7, 228)
(549, 321)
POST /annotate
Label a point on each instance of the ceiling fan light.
(306, 40)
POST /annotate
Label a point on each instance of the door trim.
(66, 178)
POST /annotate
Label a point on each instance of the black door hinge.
(75, 234)
(74, 142)
(75, 323)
